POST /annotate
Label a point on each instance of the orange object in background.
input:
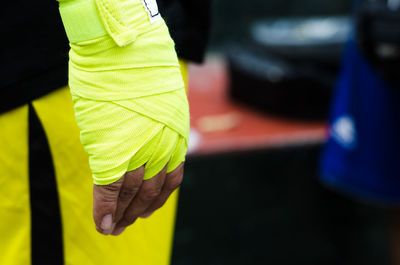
(220, 125)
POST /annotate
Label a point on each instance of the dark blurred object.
(274, 85)
(317, 40)
(290, 66)
(34, 53)
(378, 35)
(232, 19)
(269, 208)
(189, 24)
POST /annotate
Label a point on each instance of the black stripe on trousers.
(46, 227)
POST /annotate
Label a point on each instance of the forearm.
(122, 61)
(95, 50)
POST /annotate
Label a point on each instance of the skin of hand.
(118, 205)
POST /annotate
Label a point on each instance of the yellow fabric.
(14, 190)
(125, 138)
(84, 24)
(99, 69)
(129, 96)
(147, 242)
(185, 74)
(113, 20)
(122, 20)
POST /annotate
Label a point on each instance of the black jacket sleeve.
(189, 24)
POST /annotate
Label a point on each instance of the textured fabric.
(147, 242)
(14, 189)
(101, 70)
(130, 101)
(120, 136)
(81, 20)
(45, 215)
(362, 155)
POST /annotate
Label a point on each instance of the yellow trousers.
(147, 242)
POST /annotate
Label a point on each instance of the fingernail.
(118, 231)
(106, 223)
(146, 215)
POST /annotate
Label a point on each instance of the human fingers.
(105, 199)
(130, 187)
(148, 193)
(172, 181)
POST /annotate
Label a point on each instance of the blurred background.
(260, 108)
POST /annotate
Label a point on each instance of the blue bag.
(362, 155)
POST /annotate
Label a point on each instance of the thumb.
(105, 199)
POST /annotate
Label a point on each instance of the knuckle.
(137, 173)
(106, 193)
(104, 207)
(134, 179)
(174, 182)
(114, 187)
(108, 198)
(150, 195)
(127, 193)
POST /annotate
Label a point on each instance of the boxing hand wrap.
(129, 98)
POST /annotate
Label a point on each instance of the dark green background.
(231, 18)
(269, 208)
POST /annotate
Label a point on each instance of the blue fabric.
(362, 155)
(357, 3)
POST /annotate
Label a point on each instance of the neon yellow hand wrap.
(129, 98)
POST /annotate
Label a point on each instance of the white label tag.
(152, 10)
